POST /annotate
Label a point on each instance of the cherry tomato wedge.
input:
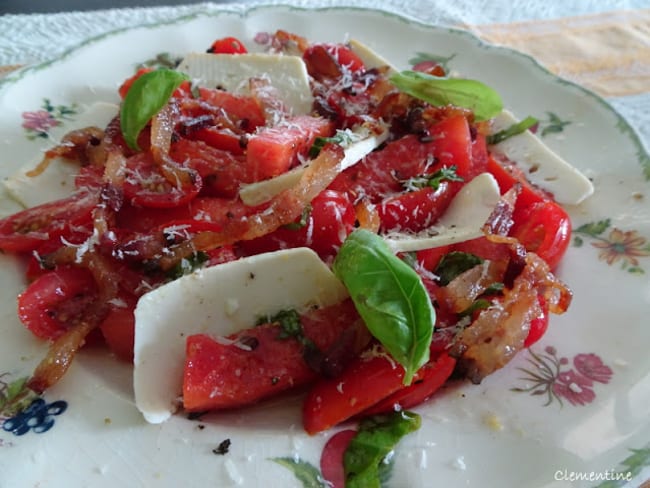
(146, 186)
(118, 328)
(227, 45)
(51, 303)
(543, 228)
(364, 383)
(431, 377)
(538, 325)
(324, 228)
(415, 210)
(25, 231)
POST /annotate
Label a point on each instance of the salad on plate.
(304, 217)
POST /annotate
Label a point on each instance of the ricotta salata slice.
(57, 180)
(220, 301)
(463, 220)
(287, 74)
(542, 166)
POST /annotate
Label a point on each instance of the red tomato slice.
(118, 328)
(431, 377)
(331, 219)
(52, 303)
(382, 172)
(543, 228)
(331, 459)
(77, 235)
(146, 186)
(342, 55)
(242, 110)
(257, 364)
(365, 382)
(415, 210)
(25, 231)
(222, 173)
(227, 45)
(273, 150)
(224, 139)
(538, 325)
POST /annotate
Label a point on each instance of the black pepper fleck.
(222, 448)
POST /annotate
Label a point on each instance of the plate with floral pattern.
(575, 403)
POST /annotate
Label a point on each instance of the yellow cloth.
(608, 53)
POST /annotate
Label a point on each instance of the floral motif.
(38, 417)
(592, 367)
(629, 468)
(552, 124)
(22, 410)
(37, 124)
(618, 246)
(551, 377)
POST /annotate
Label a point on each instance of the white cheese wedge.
(287, 74)
(262, 191)
(463, 220)
(543, 167)
(219, 300)
(370, 58)
(57, 181)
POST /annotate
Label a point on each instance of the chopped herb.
(186, 265)
(290, 327)
(494, 289)
(513, 130)
(373, 443)
(342, 138)
(222, 448)
(454, 263)
(479, 304)
(443, 174)
(304, 216)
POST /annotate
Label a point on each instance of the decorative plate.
(572, 410)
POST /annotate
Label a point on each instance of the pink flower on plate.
(574, 387)
(39, 121)
(592, 367)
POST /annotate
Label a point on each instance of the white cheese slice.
(287, 74)
(370, 58)
(463, 220)
(262, 191)
(57, 181)
(219, 300)
(543, 167)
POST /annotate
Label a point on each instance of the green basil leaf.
(390, 297)
(368, 449)
(454, 263)
(148, 94)
(513, 130)
(484, 101)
